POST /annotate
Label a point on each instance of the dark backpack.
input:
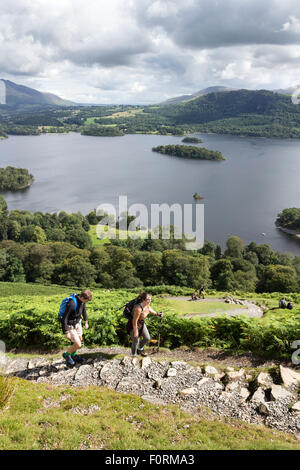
(127, 312)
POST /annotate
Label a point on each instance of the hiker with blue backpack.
(136, 311)
(71, 310)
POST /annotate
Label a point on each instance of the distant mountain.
(215, 106)
(287, 91)
(205, 91)
(12, 94)
(240, 112)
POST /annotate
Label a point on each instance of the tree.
(76, 271)
(235, 247)
(27, 233)
(39, 235)
(263, 252)
(100, 260)
(218, 252)
(208, 249)
(13, 230)
(182, 269)
(55, 234)
(11, 268)
(252, 257)
(38, 263)
(149, 267)
(276, 278)
(222, 275)
(3, 219)
(78, 237)
(245, 281)
(3, 203)
(92, 218)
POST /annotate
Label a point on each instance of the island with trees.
(192, 140)
(14, 179)
(289, 221)
(188, 151)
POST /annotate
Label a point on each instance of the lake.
(243, 194)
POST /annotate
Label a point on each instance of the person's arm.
(70, 307)
(136, 315)
(155, 313)
(84, 314)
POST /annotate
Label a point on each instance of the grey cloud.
(210, 24)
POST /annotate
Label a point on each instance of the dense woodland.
(56, 248)
(102, 131)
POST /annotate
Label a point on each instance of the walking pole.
(158, 343)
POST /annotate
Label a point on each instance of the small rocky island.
(197, 196)
(188, 151)
(15, 179)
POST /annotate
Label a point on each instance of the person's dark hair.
(86, 294)
(143, 296)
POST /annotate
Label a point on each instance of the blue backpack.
(63, 305)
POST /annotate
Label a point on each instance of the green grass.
(44, 417)
(185, 307)
(119, 233)
(95, 240)
(9, 289)
(90, 120)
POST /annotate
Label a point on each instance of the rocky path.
(227, 392)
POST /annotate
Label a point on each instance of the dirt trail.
(201, 356)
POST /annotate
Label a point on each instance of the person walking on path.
(71, 325)
(201, 292)
(136, 326)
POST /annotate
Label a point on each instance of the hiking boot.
(77, 359)
(142, 353)
(68, 359)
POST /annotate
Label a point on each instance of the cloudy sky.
(145, 51)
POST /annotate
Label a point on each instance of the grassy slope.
(41, 416)
(45, 417)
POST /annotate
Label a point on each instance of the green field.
(185, 307)
(108, 231)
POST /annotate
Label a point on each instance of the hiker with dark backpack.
(71, 310)
(136, 312)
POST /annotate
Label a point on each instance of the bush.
(33, 323)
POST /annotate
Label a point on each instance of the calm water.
(242, 194)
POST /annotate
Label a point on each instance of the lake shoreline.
(294, 233)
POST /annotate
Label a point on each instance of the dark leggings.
(136, 341)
